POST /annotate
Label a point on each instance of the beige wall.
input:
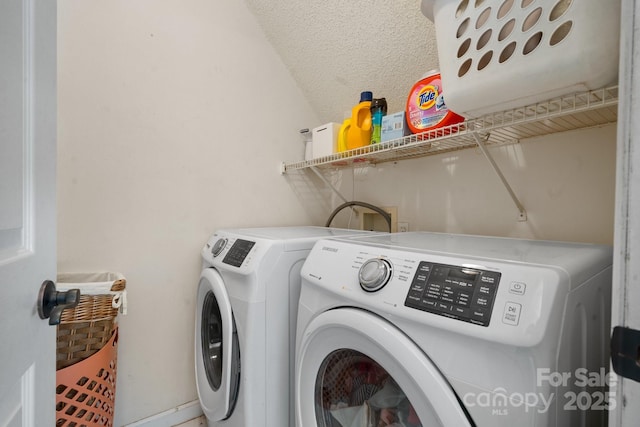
(173, 118)
(565, 181)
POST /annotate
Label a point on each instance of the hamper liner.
(87, 343)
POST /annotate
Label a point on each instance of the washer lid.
(359, 368)
(217, 354)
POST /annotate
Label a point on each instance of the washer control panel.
(238, 252)
(462, 293)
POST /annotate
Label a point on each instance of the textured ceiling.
(335, 49)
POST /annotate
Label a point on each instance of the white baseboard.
(178, 415)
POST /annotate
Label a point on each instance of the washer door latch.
(625, 352)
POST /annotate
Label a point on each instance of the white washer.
(428, 329)
(245, 323)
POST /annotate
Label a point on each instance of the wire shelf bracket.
(522, 213)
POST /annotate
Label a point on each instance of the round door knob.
(374, 274)
(218, 246)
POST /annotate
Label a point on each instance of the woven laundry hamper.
(87, 344)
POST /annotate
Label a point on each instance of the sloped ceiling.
(336, 49)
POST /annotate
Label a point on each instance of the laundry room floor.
(196, 422)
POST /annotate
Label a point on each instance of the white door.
(27, 209)
(626, 263)
(354, 368)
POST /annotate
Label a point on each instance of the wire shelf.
(569, 112)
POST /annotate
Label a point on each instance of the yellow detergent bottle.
(359, 132)
(342, 135)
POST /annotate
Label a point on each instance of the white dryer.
(245, 323)
(427, 329)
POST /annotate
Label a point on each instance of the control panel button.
(479, 314)
(414, 298)
(433, 295)
(444, 307)
(511, 314)
(463, 299)
(481, 301)
(429, 303)
(517, 288)
(486, 290)
(418, 287)
(461, 311)
(490, 278)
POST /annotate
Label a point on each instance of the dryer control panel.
(461, 293)
(238, 252)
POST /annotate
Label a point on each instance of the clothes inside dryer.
(354, 390)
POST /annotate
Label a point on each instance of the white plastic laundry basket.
(502, 54)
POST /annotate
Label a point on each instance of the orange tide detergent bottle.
(426, 109)
(358, 133)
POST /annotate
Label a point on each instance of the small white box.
(325, 140)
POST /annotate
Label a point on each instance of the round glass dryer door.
(217, 348)
(352, 389)
(212, 342)
(354, 368)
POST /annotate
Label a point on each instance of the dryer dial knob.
(374, 274)
(218, 246)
